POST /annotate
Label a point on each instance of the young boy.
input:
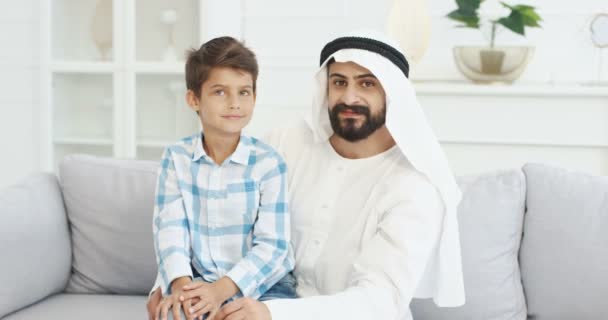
(221, 221)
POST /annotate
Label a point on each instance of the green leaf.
(513, 22)
(469, 20)
(467, 13)
(462, 14)
(506, 5)
(529, 22)
(469, 6)
(529, 15)
(523, 7)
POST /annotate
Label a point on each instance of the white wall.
(19, 89)
(564, 51)
(288, 35)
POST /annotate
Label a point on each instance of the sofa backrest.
(564, 251)
(490, 218)
(110, 204)
(34, 242)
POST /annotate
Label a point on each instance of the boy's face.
(226, 102)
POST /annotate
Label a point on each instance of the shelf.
(83, 67)
(428, 88)
(83, 141)
(170, 68)
(156, 143)
(83, 30)
(163, 96)
(110, 84)
(63, 150)
(152, 153)
(165, 29)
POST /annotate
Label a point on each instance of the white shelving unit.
(121, 97)
(466, 88)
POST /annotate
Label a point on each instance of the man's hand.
(210, 296)
(172, 302)
(244, 309)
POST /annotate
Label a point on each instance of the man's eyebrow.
(217, 85)
(366, 75)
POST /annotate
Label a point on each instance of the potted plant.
(493, 63)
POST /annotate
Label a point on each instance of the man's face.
(357, 102)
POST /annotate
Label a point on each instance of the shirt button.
(317, 242)
(325, 206)
(340, 169)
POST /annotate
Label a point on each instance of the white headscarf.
(408, 126)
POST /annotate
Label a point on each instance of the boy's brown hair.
(218, 52)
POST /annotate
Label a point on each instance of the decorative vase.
(169, 18)
(101, 28)
(409, 22)
(489, 65)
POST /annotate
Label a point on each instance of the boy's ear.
(192, 100)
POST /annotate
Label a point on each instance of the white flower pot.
(488, 65)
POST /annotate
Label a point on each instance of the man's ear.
(192, 100)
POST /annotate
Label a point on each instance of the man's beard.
(347, 128)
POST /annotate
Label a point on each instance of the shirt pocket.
(242, 201)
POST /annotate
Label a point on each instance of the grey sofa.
(534, 241)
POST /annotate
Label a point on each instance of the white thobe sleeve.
(387, 271)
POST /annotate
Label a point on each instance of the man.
(373, 200)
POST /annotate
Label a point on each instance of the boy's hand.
(211, 296)
(173, 302)
(153, 302)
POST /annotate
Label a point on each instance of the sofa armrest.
(35, 249)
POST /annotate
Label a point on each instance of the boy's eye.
(245, 93)
(340, 83)
(219, 92)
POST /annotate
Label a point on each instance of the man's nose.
(351, 96)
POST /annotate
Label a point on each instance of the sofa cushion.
(34, 242)
(490, 218)
(110, 205)
(564, 253)
(85, 306)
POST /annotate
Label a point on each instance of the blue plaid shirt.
(224, 220)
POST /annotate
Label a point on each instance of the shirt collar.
(199, 152)
(240, 155)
